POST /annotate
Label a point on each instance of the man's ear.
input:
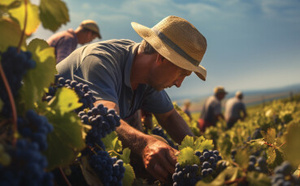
(159, 58)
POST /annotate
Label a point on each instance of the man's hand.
(159, 160)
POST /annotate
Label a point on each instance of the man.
(127, 76)
(235, 109)
(212, 110)
(66, 42)
(186, 109)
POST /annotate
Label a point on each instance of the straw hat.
(178, 41)
(219, 89)
(91, 25)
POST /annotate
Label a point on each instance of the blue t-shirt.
(106, 66)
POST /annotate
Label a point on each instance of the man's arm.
(174, 124)
(158, 157)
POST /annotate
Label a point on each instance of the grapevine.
(52, 133)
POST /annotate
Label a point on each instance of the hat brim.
(166, 51)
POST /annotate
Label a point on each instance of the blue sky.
(253, 44)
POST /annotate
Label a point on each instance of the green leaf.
(10, 33)
(187, 157)
(14, 4)
(111, 142)
(88, 172)
(38, 79)
(129, 175)
(225, 146)
(275, 157)
(32, 21)
(65, 100)
(188, 141)
(125, 156)
(270, 135)
(229, 174)
(201, 143)
(292, 138)
(242, 158)
(6, 3)
(66, 141)
(258, 179)
(53, 14)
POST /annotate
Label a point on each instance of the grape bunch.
(36, 128)
(208, 161)
(188, 175)
(103, 122)
(82, 90)
(258, 164)
(191, 174)
(160, 132)
(27, 165)
(15, 65)
(109, 170)
(118, 171)
(283, 175)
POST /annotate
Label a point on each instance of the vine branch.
(25, 24)
(12, 102)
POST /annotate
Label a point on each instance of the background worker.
(235, 109)
(66, 42)
(186, 109)
(211, 111)
(127, 76)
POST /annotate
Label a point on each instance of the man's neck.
(140, 69)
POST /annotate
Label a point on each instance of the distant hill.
(251, 97)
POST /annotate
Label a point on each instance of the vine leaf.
(259, 179)
(188, 141)
(10, 33)
(89, 174)
(66, 141)
(292, 138)
(229, 174)
(33, 22)
(201, 143)
(53, 14)
(187, 157)
(269, 136)
(38, 79)
(125, 156)
(129, 175)
(242, 158)
(65, 100)
(275, 157)
(111, 142)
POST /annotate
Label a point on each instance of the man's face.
(90, 36)
(167, 74)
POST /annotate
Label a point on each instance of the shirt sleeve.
(101, 77)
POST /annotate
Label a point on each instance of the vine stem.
(25, 24)
(65, 177)
(12, 103)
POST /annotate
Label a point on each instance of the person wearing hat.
(186, 109)
(66, 42)
(126, 76)
(235, 109)
(211, 111)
